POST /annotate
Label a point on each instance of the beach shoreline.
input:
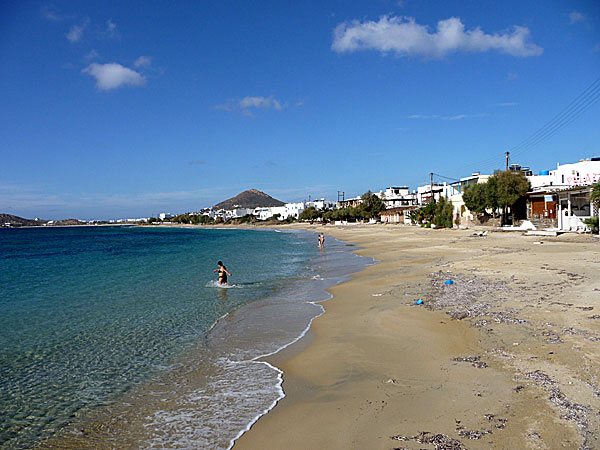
(223, 382)
(497, 360)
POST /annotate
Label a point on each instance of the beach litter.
(377, 295)
(474, 360)
(481, 234)
(448, 282)
(569, 410)
(418, 302)
(439, 441)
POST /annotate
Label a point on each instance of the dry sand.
(507, 357)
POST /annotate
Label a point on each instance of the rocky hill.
(249, 199)
(8, 220)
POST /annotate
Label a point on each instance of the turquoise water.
(89, 313)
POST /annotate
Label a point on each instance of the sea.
(120, 337)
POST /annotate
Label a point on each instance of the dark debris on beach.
(580, 414)
(439, 441)
(464, 298)
(474, 360)
(480, 301)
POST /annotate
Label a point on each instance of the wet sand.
(507, 357)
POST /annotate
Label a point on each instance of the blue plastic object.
(418, 302)
(449, 282)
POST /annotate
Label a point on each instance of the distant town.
(556, 200)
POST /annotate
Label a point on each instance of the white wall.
(582, 173)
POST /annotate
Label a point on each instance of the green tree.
(475, 198)
(371, 205)
(491, 194)
(204, 219)
(595, 195)
(511, 187)
(311, 213)
(442, 215)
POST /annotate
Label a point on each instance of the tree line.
(370, 207)
(501, 192)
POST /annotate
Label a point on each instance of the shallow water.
(107, 340)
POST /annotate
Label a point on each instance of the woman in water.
(222, 273)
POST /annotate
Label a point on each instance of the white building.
(563, 194)
(283, 212)
(322, 204)
(454, 191)
(424, 193)
(583, 173)
(397, 196)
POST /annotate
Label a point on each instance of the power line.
(584, 101)
(447, 178)
(572, 111)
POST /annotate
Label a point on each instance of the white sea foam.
(215, 284)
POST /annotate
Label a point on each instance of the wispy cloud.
(52, 13)
(112, 75)
(111, 31)
(575, 17)
(260, 102)
(91, 55)
(247, 104)
(76, 31)
(143, 61)
(441, 117)
(404, 37)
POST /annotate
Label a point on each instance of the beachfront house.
(454, 191)
(397, 215)
(397, 196)
(321, 204)
(428, 193)
(350, 202)
(560, 199)
(282, 212)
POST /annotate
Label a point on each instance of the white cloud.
(403, 36)
(575, 17)
(143, 61)
(453, 117)
(260, 102)
(76, 31)
(51, 12)
(111, 30)
(247, 103)
(91, 55)
(112, 75)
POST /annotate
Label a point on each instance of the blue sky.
(127, 109)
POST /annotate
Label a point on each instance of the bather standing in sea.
(223, 273)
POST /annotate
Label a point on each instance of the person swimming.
(222, 273)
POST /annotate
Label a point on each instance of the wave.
(215, 284)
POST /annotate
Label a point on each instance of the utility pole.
(431, 186)
(507, 153)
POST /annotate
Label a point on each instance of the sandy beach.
(506, 357)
